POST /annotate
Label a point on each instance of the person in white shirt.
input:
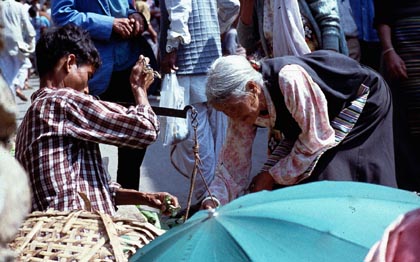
(19, 40)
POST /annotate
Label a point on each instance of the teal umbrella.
(320, 221)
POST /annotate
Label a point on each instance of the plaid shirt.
(58, 145)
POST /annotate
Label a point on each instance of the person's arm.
(99, 26)
(160, 200)
(384, 18)
(248, 31)
(234, 166)
(177, 33)
(153, 33)
(30, 32)
(308, 106)
(45, 23)
(327, 17)
(228, 11)
(247, 11)
(393, 63)
(103, 122)
(88, 119)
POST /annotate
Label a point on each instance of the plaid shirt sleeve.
(103, 122)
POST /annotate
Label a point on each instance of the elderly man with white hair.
(332, 115)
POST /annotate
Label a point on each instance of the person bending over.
(332, 115)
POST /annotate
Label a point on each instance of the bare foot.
(20, 94)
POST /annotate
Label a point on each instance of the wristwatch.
(170, 49)
(172, 45)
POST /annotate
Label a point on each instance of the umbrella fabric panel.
(188, 241)
(343, 218)
(320, 221)
(272, 240)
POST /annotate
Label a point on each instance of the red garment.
(400, 242)
(58, 145)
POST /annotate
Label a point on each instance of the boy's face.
(78, 77)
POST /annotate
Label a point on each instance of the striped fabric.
(407, 45)
(205, 46)
(347, 118)
(342, 125)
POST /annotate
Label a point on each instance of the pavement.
(157, 172)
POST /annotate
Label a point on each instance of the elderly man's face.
(245, 110)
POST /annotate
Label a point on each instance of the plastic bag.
(172, 96)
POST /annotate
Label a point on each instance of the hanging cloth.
(290, 39)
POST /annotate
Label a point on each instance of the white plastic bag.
(172, 96)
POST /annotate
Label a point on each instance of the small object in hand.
(155, 73)
(169, 207)
(148, 68)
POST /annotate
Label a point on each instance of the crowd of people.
(334, 81)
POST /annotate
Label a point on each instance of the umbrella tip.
(212, 213)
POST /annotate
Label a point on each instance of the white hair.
(228, 77)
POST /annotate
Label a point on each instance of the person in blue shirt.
(363, 14)
(39, 22)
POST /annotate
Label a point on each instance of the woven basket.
(80, 236)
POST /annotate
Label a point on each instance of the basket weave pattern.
(80, 236)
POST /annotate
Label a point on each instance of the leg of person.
(17, 83)
(21, 78)
(9, 69)
(230, 42)
(129, 160)
(183, 156)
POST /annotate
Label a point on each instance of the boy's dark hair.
(57, 42)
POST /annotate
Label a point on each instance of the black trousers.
(129, 159)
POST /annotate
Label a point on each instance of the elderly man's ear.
(253, 87)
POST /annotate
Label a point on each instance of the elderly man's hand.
(262, 181)
(210, 203)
